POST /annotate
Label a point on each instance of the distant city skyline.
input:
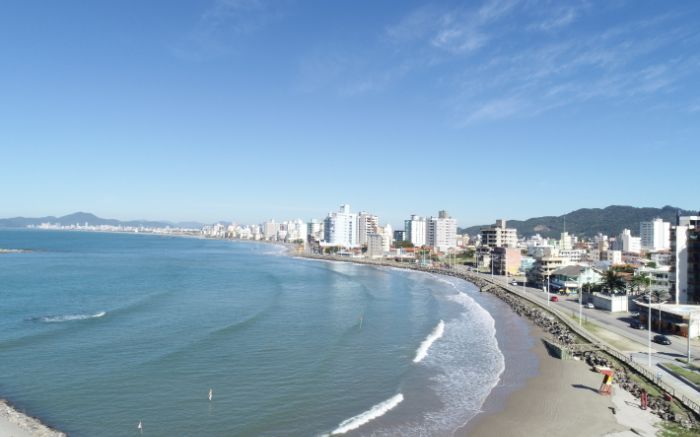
(247, 110)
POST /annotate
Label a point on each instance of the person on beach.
(644, 398)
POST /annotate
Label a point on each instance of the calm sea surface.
(101, 331)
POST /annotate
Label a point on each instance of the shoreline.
(557, 381)
(17, 424)
(500, 404)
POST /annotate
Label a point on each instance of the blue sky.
(249, 109)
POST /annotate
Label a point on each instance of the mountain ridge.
(587, 222)
(81, 217)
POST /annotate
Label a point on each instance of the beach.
(560, 398)
(15, 424)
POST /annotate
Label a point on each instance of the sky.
(245, 110)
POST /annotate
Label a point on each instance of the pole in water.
(362, 318)
(140, 427)
(211, 394)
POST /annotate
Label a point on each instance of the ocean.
(100, 332)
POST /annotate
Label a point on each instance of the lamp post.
(649, 328)
(580, 303)
(690, 316)
(547, 290)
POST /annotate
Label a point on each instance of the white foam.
(70, 317)
(376, 411)
(422, 351)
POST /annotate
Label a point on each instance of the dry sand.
(563, 400)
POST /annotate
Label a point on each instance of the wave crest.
(70, 317)
(376, 411)
(422, 351)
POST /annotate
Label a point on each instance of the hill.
(588, 222)
(83, 217)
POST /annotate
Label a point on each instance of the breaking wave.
(422, 351)
(70, 317)
(376, 411)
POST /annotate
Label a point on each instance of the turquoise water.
(101, 331)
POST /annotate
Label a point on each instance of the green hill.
(588, 222)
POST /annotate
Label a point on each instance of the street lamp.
(649, 328)
(547, 290)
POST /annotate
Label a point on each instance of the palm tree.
(612, 282)
(640, 283)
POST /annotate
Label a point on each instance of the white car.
(590, 305)
(514, 282)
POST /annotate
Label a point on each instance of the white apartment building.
(415, 229)
(441, 232)
(655, 235)
(614, 256)
(296, 230)
(499, 235)
(566, 242)
(387, 234)
(269, 230)
(366, 224)
(629, 243)
(340, 228)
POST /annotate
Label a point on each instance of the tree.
(640, 283)
(612, 282)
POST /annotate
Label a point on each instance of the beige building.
(499, 235)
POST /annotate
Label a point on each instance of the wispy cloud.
(220, 27)
(521, 63)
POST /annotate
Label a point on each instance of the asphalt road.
(618, 323)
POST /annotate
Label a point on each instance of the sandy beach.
(15, 424)
(561, 400)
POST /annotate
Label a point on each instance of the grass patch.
(672, 429)
(691, 375)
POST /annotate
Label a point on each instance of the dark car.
(662, 339)
(636, 324)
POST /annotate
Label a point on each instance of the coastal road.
(617, 323)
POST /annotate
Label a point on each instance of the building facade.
(415, 230)
(366, 224)
(441, 232)
(340, 228)
(499, 235)
(655, 235)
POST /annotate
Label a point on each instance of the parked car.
(636, 324)
(590, 305)
(514, 282)
(554, 299)
(662, 339)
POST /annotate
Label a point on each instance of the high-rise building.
(399, 235)
(366, 224)
(375, 245)
(269, 230)
(693, 294)
(629, 244)
(499, 235)
(682, 259)
(415, 229)
(340, 228)
(655, 235)
(441, 232)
